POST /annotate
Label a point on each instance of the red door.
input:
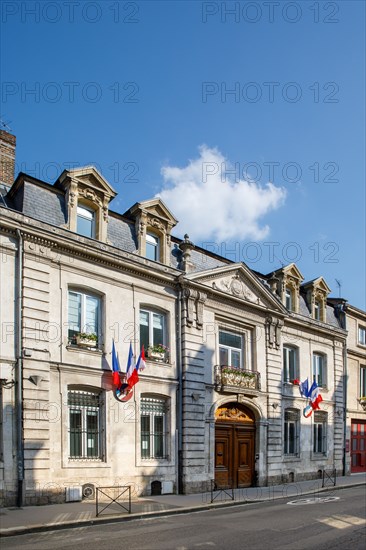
(358, 446)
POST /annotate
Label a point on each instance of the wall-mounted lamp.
(195, 396)
(35, 379)
(275, 405)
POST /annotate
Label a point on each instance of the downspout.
(345, 384)
(19, 373)
(180, 394)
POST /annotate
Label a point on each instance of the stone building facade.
(218, 404)
(355, 434)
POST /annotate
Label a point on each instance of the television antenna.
(339, 285)
(5, 124)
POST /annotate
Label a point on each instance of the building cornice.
(64, 241)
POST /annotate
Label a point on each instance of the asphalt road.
(336, 521)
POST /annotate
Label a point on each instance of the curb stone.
(70, 524)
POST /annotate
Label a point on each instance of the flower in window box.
(86, 339)
(232, 376)
(157, 351)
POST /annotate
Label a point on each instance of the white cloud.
(211, 203)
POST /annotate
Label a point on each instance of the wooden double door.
(234, 455)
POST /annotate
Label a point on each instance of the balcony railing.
(229, 379)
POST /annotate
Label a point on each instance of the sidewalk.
(16, 521)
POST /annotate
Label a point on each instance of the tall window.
(84, 424)
(320, 432)
(83, 314)
(153, 428)
(317, 310)
(152, 247)
(291, 432)
(231, 349)
(289, 299)
(85, 221)
(319, 369)
(290, 364)
(362, 336)
(152, 328)
(363, 382)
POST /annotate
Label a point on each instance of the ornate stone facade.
(206, 309)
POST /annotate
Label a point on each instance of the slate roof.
(46, 203)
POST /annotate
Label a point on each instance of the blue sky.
(248, 118)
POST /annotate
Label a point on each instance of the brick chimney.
(7, 159)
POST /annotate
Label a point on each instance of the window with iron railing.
(153, 428)
(320, 432)
(84, 425)
(291, 432)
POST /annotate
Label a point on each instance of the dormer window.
(289, 299)
(88, 195)
(152, 247)
(317, 291)
(287, 280)
(153, 223)
(85, 221)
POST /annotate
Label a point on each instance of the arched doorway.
(234, 446)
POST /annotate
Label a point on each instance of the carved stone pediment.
(237, 281)
(155, 211)
(237, 287)
(87, 180)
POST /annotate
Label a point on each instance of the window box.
(238, 378)
(87, 340)
(157, 352)
(157, 355)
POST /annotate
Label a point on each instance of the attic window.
(152, 247)
(289, 299)
(85, 221)
(317, 311)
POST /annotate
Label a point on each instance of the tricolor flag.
(316, 401)
(141, 363)
(115, 367)
(131, 373)
(304, 388)
(314, 391)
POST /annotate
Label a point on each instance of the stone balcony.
(230, 380)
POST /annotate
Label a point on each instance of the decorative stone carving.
(233, 413)
(278, 329)
(154, 222)
(186, 247)
(202, 297)
(190, 296)
(193, 305)
(274, 330)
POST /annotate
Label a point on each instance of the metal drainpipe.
(19, 374)
(180, 395)
(345, 383)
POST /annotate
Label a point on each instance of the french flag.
(115, 367)
(304, 388)
(132, 376)
(314, 391)
(141, 363)
(315, 403)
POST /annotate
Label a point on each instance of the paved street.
(335, 520)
